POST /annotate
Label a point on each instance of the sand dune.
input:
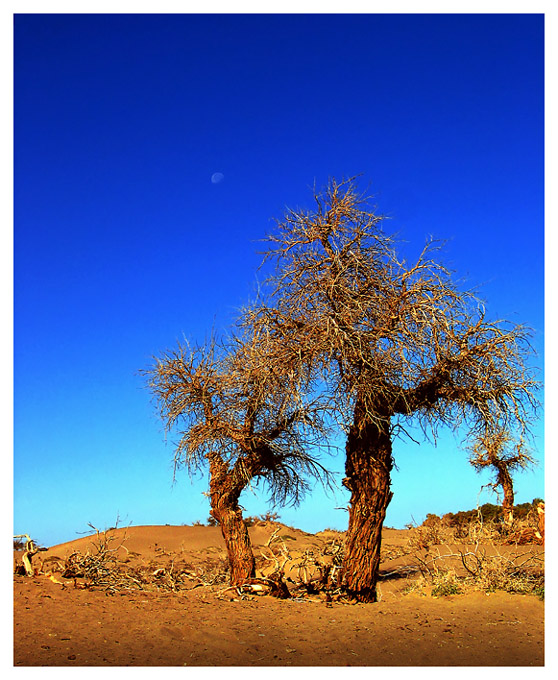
(69, 625)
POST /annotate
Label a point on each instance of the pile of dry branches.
(109, 566)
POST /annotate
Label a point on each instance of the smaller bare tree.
(500, 451)
(241, 416)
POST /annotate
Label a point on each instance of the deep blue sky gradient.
(124, 245)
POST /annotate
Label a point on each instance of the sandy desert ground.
(187, 615)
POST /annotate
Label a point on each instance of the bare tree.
(246, 423)
(504, 454)
(392, 342)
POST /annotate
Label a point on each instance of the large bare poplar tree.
(392, 341)
(246, 423)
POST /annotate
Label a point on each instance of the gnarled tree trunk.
(224, 494)
(504, 479)
(368, 466)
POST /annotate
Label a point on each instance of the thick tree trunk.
(505, 481)
(224, 494)
(368, 466)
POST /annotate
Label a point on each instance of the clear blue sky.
(123, 244)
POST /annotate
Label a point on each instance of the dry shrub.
(434, 531)
(482, 525)
(488, 566)
(458, 572)
(446, 583)
(479, 531)
(486, 523)
(424, 536)
(111, 567)
(439, 584)
(512, 573)
(212, 572)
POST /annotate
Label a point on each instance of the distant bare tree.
(393, 342)
(504, 454)
(246, 423)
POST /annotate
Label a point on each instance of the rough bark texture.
(368, 466)
(224, 493)
(505, 481)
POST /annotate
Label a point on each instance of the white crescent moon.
(217, 177)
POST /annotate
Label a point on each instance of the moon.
(217, 177)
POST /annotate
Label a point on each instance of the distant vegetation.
(248, 521)
(487, 513)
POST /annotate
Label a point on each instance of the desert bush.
(25, 542)
(100, 567)
(439, 584)
(19, 543)
(515, 572)
(254, 520)
(107, 568)
(539, 592)
(213, 572)
(446, 583)
(486, 522)
(486, 567)
(433, 531)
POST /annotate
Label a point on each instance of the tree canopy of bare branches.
(391, 341)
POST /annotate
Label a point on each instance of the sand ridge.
(68, 626)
